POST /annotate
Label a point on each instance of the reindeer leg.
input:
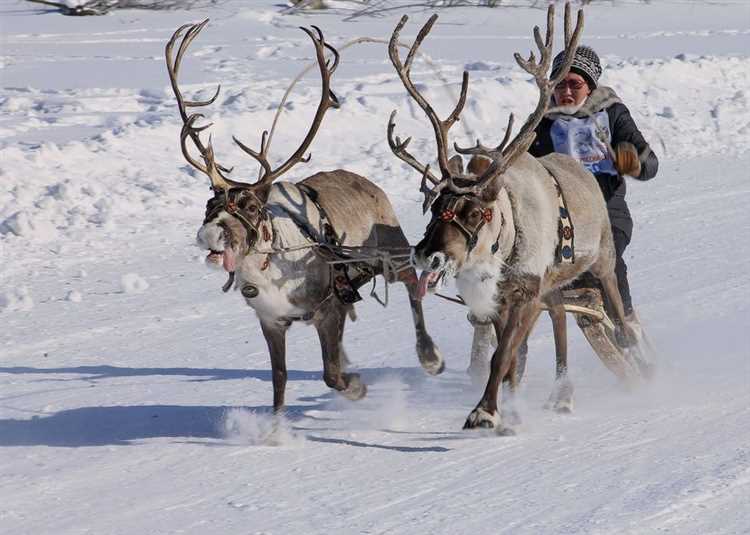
(561, 398)
(518, 312)
(529, 317)
(479, 365)
(428, 353)
(329, 327)
(523, 349)
(511, 331)
(343, 357)
(485, 414)
(626, 337)
(275, 335)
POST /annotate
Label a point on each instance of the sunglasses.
(573, 85)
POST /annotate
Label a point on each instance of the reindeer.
(275, 238)
(497, 229)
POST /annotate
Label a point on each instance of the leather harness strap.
(343, 285)
(448, 215)
(565, 253)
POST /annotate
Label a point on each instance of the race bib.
(585, 140)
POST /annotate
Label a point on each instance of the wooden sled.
(628, 364)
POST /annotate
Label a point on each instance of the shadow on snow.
(123, 425)
(410, 375)
(100, 426)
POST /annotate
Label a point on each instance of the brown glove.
(626, 159)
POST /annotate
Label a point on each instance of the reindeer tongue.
(425, 279)
(229, 260)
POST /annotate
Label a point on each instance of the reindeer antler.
(214, 170)
(504, 154)
(503, 157)
(327, 100)
(440, 127)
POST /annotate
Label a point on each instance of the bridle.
(447, 214)
(226, 201)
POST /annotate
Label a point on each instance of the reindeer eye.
(248, 205)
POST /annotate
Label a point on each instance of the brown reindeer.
(497, 230)
(275, 239)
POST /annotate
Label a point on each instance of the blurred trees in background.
(102, 7)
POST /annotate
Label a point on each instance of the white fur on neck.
(477, 285)
(272, 301)
(283, 276)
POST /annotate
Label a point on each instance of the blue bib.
(586, 140)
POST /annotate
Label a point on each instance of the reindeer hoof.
(561, 398)
(355, 388)
(430, 358)
(480, 418)
(561, 406)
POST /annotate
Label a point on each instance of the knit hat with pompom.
(585, 63)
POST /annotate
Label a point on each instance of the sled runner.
(627, 363)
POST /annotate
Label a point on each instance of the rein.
(571, 308)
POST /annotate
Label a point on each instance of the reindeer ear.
(492, 190)
(456, 165)
(478, 165)
(261, 191)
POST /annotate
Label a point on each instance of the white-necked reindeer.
(271, 236)
(498, 230)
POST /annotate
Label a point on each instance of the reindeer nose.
(436, 261)
(210, 237)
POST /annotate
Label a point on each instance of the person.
(590, 123)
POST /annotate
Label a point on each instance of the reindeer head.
(464, 222)
(236, 219)
(467, 216)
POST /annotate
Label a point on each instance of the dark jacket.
(619, 127)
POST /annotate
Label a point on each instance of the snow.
(132, 283)
(18, 299)
(74, 296)
(135, 395)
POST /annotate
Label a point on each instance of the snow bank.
(134, 171)
(88, 159)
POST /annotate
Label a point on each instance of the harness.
(565, 251)
(343, 284)
(347, 273)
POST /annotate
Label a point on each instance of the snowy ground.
(134, 395)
